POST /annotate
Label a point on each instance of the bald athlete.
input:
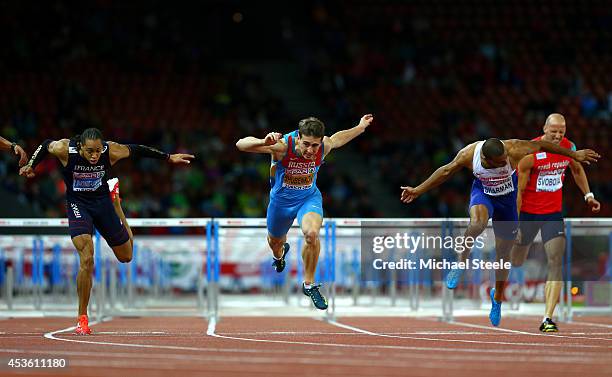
(539, 202)
(493, 163)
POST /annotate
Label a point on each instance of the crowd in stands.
(436, 74)
(442, 74)
(123, 72)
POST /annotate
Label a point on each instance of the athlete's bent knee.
(125, 258)
(275, 242)
(477, 226)
(311, 237)
(124, 252)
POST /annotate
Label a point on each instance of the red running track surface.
(255, 346)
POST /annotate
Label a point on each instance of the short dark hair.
(311, 127)
(493, 148)
(88, 134)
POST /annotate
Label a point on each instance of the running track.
(302, 346)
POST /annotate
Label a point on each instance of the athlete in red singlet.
(539, 199)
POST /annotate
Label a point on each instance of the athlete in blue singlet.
(296, 158)
(86, 162)
(493, 195)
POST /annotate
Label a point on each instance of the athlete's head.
(554, 128)
(494, 153)
(90, 145)
(310, 137)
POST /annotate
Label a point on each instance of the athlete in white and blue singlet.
(493, 195)
(296, 158)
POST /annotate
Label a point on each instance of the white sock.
(307, 286)
(545, 318)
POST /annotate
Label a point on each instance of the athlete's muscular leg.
(84, 246)
(502, 251)
(276, 244)
(554, 251)
(524, 237)
(311, 224)
(479, 217)
(124, 251)
(119, 212)
(519, 253)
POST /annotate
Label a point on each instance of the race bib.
(549, 181)
(87, 181)
(494, 188)
(298, 182)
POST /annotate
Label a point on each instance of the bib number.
(87, 181)
(549, 183)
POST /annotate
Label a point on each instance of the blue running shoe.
(315, 295)
(279, 264)
(495, 314)
(452, 279)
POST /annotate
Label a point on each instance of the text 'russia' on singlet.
(294, 178)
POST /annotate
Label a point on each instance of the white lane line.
(177, 361)
(414, 348)
(472, 325)
(468, 341)
(511, 356)
(498, 329)
(562, 357)
(306, 333)
(603, 325)
(131, 333)
(51, 335)
(574, 357)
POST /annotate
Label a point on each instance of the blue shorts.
(551, 225)
(502, 209)
(280, 215)
(99, 212)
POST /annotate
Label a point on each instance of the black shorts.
(551, 225)
(84, 215)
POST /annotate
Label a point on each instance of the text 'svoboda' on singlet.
(543, 193)
(495, 181)
(294, 177)
(85, 180)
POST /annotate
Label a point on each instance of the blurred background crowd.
(436, 74)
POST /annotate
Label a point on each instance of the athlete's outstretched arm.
(524, 171)
(272, 143)
(57, 148)
(121, 151)
(443, 173)
(517, 149)
(340, 138)
(583, 183)
(15, 148)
